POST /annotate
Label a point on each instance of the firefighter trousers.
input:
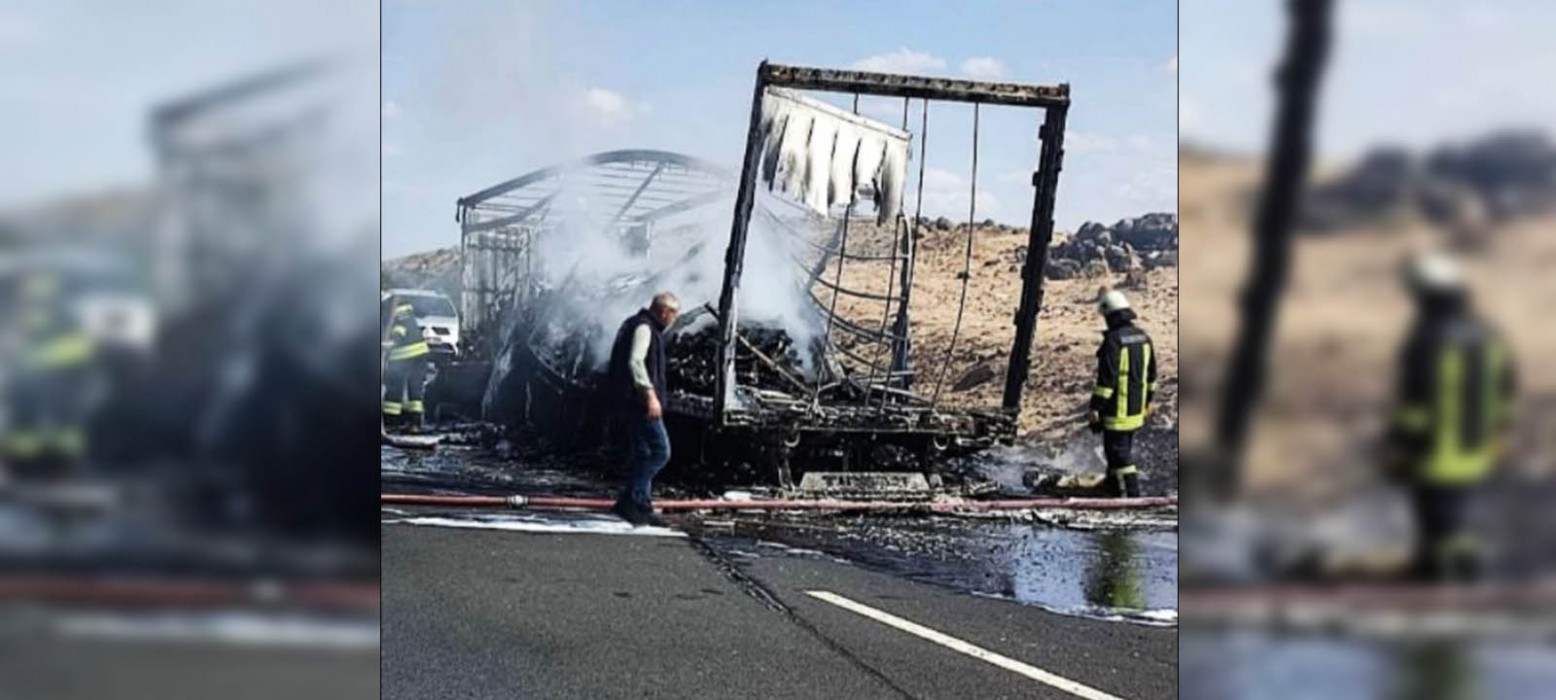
(405, 391)
(1118, 448)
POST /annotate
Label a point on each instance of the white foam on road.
(525, 523)
(977, 652)
(229, 628)
(1165, 615)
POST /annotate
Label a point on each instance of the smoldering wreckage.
(220, 461)
(792, 366)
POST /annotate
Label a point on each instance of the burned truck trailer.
(803, 359)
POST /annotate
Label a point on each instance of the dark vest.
(625, 395)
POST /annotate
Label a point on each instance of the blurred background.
(1395, 132)
(188, 220)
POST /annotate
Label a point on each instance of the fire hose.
(603, 504)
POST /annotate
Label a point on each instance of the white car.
(436, 314)
(101, 291)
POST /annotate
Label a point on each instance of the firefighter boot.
(1124, 482)
(1131, 485)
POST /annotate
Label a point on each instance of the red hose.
(780, 504)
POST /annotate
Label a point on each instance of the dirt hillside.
(1338, 329)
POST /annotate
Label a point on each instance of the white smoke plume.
(597, 279)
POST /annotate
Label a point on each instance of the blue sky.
(493, 89)
(475, 92)
(79, 78)
(1407, 72)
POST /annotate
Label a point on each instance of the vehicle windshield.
(429, 306)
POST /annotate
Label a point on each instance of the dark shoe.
(1465, 569)
(628, 511)
(1451, 567)
(645, 510)
(651, 518)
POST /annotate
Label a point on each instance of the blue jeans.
(650, 452)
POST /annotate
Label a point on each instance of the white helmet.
(1110, 300)
(1433, 272)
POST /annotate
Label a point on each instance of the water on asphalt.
(1222, 665)
(1124, 573)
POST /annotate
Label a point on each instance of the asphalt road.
(488, 614)
(37, 663)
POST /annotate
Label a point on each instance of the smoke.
(1080, 454)
(772, 291)
(598, 271)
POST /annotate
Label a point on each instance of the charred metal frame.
(1054, 100)
(498, 224)
(227, 149)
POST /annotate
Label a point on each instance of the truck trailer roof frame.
(636, 187)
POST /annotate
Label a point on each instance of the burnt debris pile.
(765, 358)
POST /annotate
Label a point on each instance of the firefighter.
(1121, 399)
(405, 373)
(1452, 415)
(48, 394)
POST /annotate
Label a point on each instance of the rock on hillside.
(1145, 242)
(1501, 176)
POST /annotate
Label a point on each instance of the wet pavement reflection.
(1121, 572)
(1252, 664)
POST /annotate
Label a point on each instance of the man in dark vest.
(636, 382)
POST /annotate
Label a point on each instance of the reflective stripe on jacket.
(406, 334)
(1126, 378)
(1455, 399)
(52, 341)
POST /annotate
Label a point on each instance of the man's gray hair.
(665, 300)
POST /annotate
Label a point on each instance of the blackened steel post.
(902, 344)
(902, 340)
(735, 255)
(1046, 182)
(1297, 82)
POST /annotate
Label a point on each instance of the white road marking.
(955, 644)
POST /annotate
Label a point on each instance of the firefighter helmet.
(1110, 300)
